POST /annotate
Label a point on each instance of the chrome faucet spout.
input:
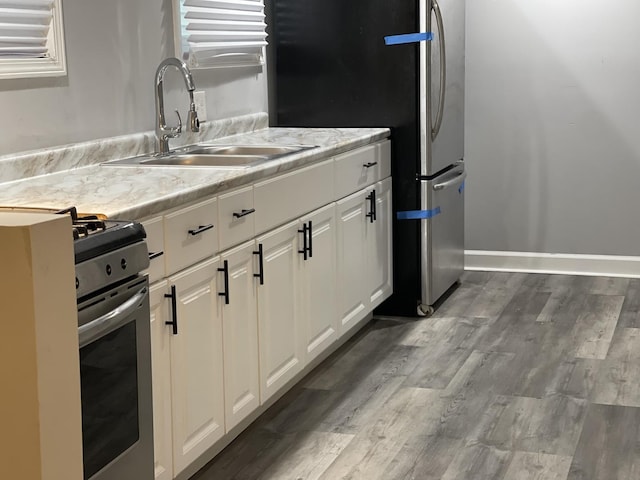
(164, 132)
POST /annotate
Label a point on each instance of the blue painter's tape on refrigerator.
(418, 214)
(461, 188)
(408, 38)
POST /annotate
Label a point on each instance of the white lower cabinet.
(280, 330)
(352, 254)
(248, 320)
(240, 335)
(161, 378)
(196, 363)
(379, 247)
(297, 302)
(318, 305)
(364, 245)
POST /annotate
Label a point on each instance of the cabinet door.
(318, 284)
(196, 363)
(280, 331)
(379, 243)
(240, 336)
(161, 380)
(353, 298)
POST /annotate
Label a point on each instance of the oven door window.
(109, 382)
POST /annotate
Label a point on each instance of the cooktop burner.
(94, 237)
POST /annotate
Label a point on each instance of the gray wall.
(553, 126)
(113, 50)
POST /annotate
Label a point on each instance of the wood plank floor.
(516, 376)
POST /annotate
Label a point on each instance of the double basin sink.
(221, 156)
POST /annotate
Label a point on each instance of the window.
(220, 33)
(31, 40)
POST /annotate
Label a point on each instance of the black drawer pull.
(225, 294)
(153, 255)
(260, 273)
(370, 164)
(244, 213)
(200, 229)
(310, 239)
(305, 248)
(174, 309)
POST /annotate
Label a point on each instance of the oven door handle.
(110, 321)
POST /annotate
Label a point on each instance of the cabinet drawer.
(236, 216)
(293, 194)
(155, 244)
(362, 167)
(190, 235)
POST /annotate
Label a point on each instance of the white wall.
(553, 126)
(113, 50)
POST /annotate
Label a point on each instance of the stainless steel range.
(115, 348)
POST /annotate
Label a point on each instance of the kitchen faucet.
(164, 132)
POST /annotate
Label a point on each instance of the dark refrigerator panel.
(332, 69)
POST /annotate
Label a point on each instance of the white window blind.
(31, 42)
(221, 32)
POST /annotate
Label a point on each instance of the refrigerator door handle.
(443, 70)
(458, 179)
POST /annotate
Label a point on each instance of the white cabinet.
(240, 334)
(364, 245)
(161, 378)
(252, 317)
(155, 244)
(281, 333)
(352, 258)
(318, 305)
(236, 215)
(290, 195)
(196, 363)
(379, 246)
(190, 235)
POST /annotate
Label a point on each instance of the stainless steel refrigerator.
(329, 66)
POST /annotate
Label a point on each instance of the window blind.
(222, 32)
(24, 28)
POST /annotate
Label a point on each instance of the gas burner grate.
(85, 225)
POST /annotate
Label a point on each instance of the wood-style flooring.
(516, 376)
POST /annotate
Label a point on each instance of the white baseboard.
(561, 263)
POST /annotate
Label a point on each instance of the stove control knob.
(108, 269)
(77, 283)
(123, 264)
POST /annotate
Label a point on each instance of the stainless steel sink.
(204, 160)
(262, 150)
(216, 156)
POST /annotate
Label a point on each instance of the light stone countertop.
(131, 192)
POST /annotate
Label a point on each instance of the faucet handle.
(178, 130)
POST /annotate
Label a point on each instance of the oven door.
(115, 377)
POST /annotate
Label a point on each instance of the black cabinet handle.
(372, 206)
(260, 273)
(370, 164)
(244, 213)
(200, 229)
(305, 248)
(225, 294)
(310, 239)
(174, 309)
(153, 255)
